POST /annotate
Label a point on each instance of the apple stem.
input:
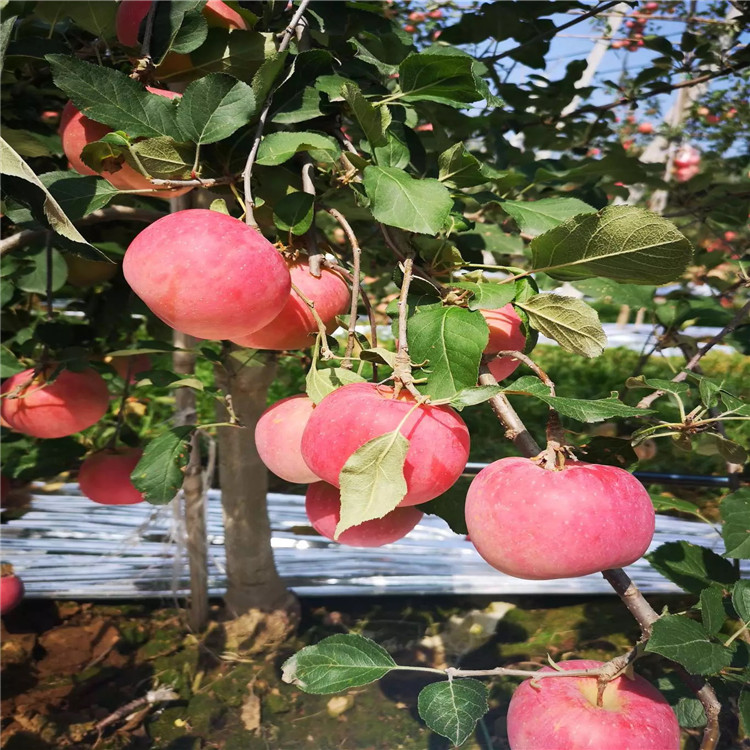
(521, 357)
(144, 66)
(356, 264)
(402, 374)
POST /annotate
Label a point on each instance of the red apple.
(77, 131)
(417, 17)
(354, 414)
(69, 404)
(437, 13)
(11, 593)
(409, 29)
(83, 272)
(295, 327)
(207, 274)
(730, 236)
(278, 438)
(650, 7)
(532, 523)
(50, 117)
(104, 477)
(506, 334)
(133, 364)
(646, 128)
(323, 506)
(561, 713)
(130, 15)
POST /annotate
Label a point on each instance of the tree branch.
(247, 174)
(741, 314)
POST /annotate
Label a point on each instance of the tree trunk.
(253, 583)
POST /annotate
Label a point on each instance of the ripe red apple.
(409, 29)
(532, 523)
(357, 413)
(561, 713)
(130, 15)
(104, 477)
(323, 506)
(730, 236)
(50, 117)
(506, 334)
(134, 364)
(83, 272)
(646, 128)
(77, 131)
(207, 274)
(71, 403)
(11, 593)
(278, 438)
(650, 7)
(295, 327)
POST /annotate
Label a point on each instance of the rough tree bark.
(253, 583)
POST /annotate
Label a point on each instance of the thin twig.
(247, 174)
(145, 65)
(160, 695)
(325, 351)
(741, 314)
(48, 281)
(402, 367)
(521, 357)
(196, 182)
(356, 262)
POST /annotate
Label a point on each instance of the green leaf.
(607, 290)
(103, 155)
(398, 200)
(711, 443)
(35, 279)
(25, 143)
(688, 709)
(458, 168)
(14, 166)
(744, 710)
(735, 510)
(6, 30)
(79, 196)
(451, 340)
(9, 365)
(169, 21)
(487, 295)
(394, 154)
(165, 158)
(214, 107)
(664, 502)
(303, 106)
(443, 78)
(595, 410)
(159, 473)
(741, 600)
(688, 643)
(658, 384)
(321, 382)
(372, 480)
(95, 17)
(276, 148)
(337, 663)
(473, 396)
(111, 97)
(452, 708)
(380, 355)
(692, 567)
(294, 213)
(374, 121)
(713, 614)
(538, 217)
(569, 321)
(624, 243)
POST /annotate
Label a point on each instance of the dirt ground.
(69, 671)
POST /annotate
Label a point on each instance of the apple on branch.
(104, 477)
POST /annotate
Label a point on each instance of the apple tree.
(198, 194)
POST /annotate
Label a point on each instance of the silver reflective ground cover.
(68, 547)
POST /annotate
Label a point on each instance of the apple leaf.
(159, 473)
(78, 196)
(635, 295)
(451, 341)
(713, 614)
(444, 78)
(569, 321)
(109, 96)
(623, 243)
(452, 708)
(538, 217)
(665, 502)
(487, 295)
(691, 566)
(34, 280)
(744, 709)
(15, 167)
(459, 169)
(374, 121)
(277, 148)
(372, 480)
(735, 511)
(688, 708)
(294, 213)
(321, 382)
(476, 395)
(165, 158)
(179, 26)
(214, 107)
(688, 643)
(379, 354)
(337, 663)
(741, 600)
(581, 409)
(398, 200)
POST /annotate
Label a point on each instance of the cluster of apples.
(416, 18)
(636, 26)
(686, 163)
